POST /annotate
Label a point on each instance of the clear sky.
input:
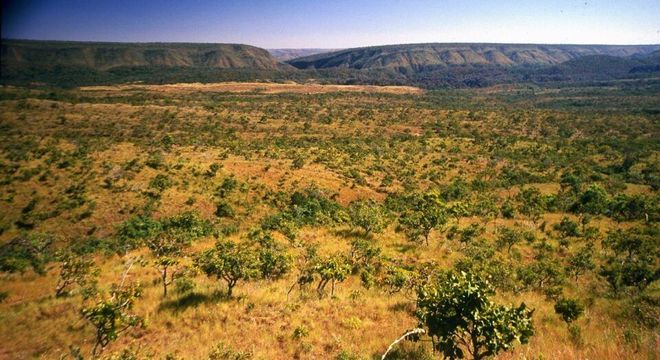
(335, 23)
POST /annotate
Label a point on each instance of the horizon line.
(328, 48)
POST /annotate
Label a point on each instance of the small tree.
(461, 319)
(569, 309)
(75, 269)
(333, 269)
(274, 262)
(582, 261)
(424, 213)
(593, 201)
(507, 210)
(111, 317)
(567, 228)
(633, 260)
(545, 274)
(368, 215)
(365, 260)
(457, 210)
(166, 249)
(531, 203)
(507, 238)
(230, 262)
(305, 267)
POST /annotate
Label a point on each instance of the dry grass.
(262, 318)
(262, 88)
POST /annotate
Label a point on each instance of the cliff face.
(420, 56)
(104, 56)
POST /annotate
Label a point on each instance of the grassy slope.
(254, 137)
(419, 56)
(105, 56)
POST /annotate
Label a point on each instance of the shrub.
(312, 207)
(166, 249)
(228, 185)
(186, 226)
(224, 352)
(546, 275)
(26, 251)
(137, 228)
(368, 215)
(567, 228)
(633, 262)
(160, 183)
(76, 269)
(582, 261)
(594, 200)
(224, 210)
(569, 309)
(300, 332)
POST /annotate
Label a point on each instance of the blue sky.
(335, 23)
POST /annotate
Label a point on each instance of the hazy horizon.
(330, 48)
(341, 24)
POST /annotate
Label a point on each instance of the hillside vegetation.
(105, 56)
(288, 54)
(430, 66)
(224, 222)
(417, 57)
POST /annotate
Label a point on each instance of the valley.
(323, 193)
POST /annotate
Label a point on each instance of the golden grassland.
(256, 138)
(262, 88)
(262, 319)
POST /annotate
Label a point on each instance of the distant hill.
(288, 54)
(598, 68)
(420, 57)
(432, 66)
(106, 56)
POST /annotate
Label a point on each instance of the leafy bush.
(546, 275)
(187, 226)
(76, 269)
(312, 207)
(224, 210)
(569, 309)
(594, 200)
(224, 352)
(26, 251)
(633, 262)
(368, 215)
(507, 238)
(160, 183)
(137, 228)
(228, 185)
(112, 315)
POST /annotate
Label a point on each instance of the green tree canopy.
(461, 319)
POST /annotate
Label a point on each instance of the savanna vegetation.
(511, 222)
